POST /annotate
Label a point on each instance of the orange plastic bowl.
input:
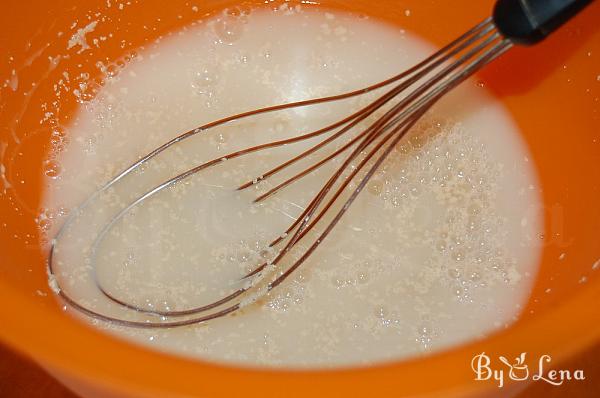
(552, 90)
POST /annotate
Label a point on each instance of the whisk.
(409, 95)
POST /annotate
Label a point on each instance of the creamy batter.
(441, 248)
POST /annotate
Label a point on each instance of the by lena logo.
(518, 370)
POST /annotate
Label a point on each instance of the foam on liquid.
(438, 250)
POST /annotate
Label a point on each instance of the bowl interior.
(552, 91)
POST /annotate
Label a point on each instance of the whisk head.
(361, 142)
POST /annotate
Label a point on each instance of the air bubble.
(454, 273)
(56, 132)
(44, 224)
(157, 305)
(229, 29)
(441, 246)
(473, 224)
(52, 168)
(475, 277)
(298, 299)
(414, 190)
(363, 278)
(376, 188)
(204, 81)
(458, 255)
(244, 256)
(380, 312)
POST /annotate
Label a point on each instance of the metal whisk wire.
(416, 91)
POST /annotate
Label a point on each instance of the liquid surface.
(439, 249)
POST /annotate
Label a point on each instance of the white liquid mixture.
(441, 247)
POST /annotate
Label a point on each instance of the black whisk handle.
(530, 21)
